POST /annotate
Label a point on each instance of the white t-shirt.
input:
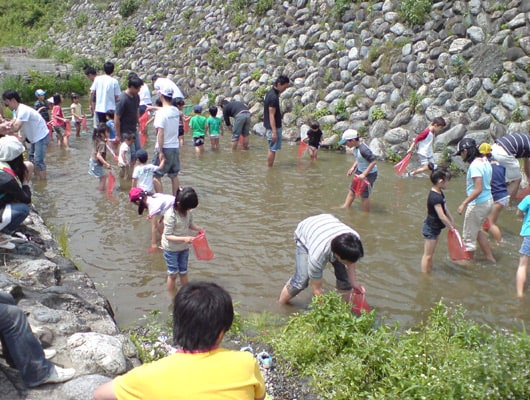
(144, 176)
(124, 158)
(106, 88)
(33, 125)
(145, 95)
(165, 83)
(167, 118)
(159, 203)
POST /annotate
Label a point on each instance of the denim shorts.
(171, 165)
(60, 131)
(277, 145)
(95, 169)
(429, 232)
(241, 125)
(525, 246)
(177, 261)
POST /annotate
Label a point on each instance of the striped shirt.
(516, 144)
(315, 234)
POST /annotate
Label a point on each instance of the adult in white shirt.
(31, 126)
(104, 93)
(167, 150)
(145, 98)
(168, 86)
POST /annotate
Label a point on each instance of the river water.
(250, 212)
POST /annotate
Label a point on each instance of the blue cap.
(39, 92)
(197, 109)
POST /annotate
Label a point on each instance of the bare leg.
(174, 185)
(349, 200)
(494, 215)
(246, 142)
(270, 158)
(171, 285)
(513, 187)
(234, 144)
(521, 275)
(365, 202)
(157, 184)
(485, 246)
(102, 183)
(285, 297)
(183, 279)
(421, 169)
(428, 252)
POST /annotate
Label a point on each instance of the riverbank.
(66, 313)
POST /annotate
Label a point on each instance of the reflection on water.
(250, 213)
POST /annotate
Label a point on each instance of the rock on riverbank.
(65, 312)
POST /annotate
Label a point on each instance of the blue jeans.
(19, 212)
(300, 280)
(21, 347)
(177, 261)
(37, 153)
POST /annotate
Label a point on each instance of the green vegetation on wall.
(414, 12)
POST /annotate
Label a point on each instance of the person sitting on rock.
(23, 351)
(200, 369)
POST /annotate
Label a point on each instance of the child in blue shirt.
(522, 210)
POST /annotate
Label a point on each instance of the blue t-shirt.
(524, 207)
(479, 168)
(112, 129)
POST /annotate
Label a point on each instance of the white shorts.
(513, 170)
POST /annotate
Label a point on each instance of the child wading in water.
(425, 142)
(59, 122)
(523, 210)
(215, 128)
(177, 237)
(438, 217)
(98, 159)
(77, 114)
(314, 137)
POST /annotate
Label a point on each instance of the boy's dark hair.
(281, 80)
(348, 247)
(438, 121)
(224, 102)
(178, 101)
(108, 67)
(314, 125)
(90, 71)
(11, 94)
(110, 114)
(201, 312)
(186, 199)
(158, 102)
(56, 99)
(74, 96)
(438, 173)
(213, 111)
(135, 81)
(141, 155)
(154, 78)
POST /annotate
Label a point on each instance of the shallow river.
(249, 213)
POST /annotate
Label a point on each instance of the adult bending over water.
(321, 239)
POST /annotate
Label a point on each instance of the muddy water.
(249, 213)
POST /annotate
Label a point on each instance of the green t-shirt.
(214, 126)
(198, 125)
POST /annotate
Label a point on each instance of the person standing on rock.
(22, 349)
(506, 150)
(272, 117)
(104, 93)
(321, 239)
(241, 114)
(202, 313)
(31, 126)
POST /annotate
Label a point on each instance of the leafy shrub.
(128, 7)
(123, 37)
(62, 56)
(81, 20)
(322, 112)
(259, 94)
(187, 14)
(340, 7)
(414, 101)
(517, 114)
(414, 12)
(377, 114)
(446, 357)
(256, 74)
(341, 110)
(262, 6)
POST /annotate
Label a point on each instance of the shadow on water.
(250, 212)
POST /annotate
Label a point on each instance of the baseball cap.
(166, 91)
(465, 143)
(39, 92)
(137, 194)
(348, 134)
(484, 148)
(197, 109)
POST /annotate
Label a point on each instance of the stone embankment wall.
(469, 62)
(67, 313)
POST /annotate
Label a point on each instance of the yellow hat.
(484, 148)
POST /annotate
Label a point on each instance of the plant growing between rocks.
(124, 37)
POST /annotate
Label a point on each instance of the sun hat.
(348, 134)
(484, 148)
(39, 92)
(10, 148)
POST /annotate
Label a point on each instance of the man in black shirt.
(241, 115)
(272, 117)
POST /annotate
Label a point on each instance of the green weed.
(128, 7)
(414, 12)
(123, 37)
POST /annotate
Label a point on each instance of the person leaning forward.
(321, 239)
